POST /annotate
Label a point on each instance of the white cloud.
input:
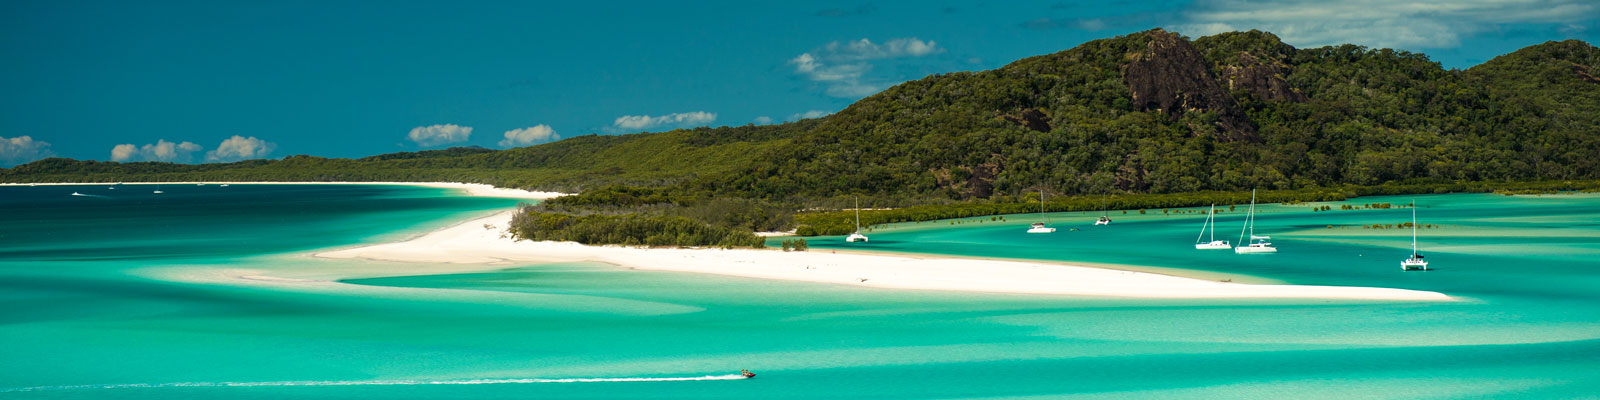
(240, 148)
(22, 149)
(809, 115)
(843, 67)
(1378, 23)
(527, 136)
(638, 122)
(161, 150)
(762, 120)
(429, 136)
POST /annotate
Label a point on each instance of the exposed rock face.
(1264, 79)
(1582, 71)
(1170, 76)
(1031, 118)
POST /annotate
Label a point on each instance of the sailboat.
(1258, 244)
(1040, 227)
(857, 236)
(1105, 215)
(1415, 262)
(158, 190)
(1210, 228)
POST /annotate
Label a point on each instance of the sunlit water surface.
(137, 295)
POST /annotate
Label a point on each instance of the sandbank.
(484, 241)
(474, 189)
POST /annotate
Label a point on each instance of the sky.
(210, 81)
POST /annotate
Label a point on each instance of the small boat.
(1213, 243)
(1105, 215)
(111, 188)
(747, 374)
(1041, 227)
(1258, 244)
(158, 190)
(1415, 262)
(224, 185)
(78, 194)
(857, 236)
(199, 184)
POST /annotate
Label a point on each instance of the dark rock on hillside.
(1030, 118)
(1170, 77)
(1264, 79)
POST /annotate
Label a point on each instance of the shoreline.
(473, 189)
(483, 242)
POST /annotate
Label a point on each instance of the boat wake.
(85, 195)
(399, 382)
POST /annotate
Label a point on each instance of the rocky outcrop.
(1170, 77)
(1264, 79)
(1030, 118)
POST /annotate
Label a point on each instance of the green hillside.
(1146, 113)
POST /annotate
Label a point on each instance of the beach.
(474, 189)
(484, 241)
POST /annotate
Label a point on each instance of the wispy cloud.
(845, 12)
(809, 115)
(1379, 23)
(642, 122)
(22, 149)
(529, 136)
(762, 120)
(240, 148)
(161, 150)
(844, 67)
(434, 135)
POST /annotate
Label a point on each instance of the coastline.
(473, 189)
(483, 242)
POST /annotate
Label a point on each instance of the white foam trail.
(375, 383)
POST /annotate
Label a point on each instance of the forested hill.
(1149, 112)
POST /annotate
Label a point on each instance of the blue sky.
(199, 81)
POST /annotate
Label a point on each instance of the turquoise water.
(108, 298)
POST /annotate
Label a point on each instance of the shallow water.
(108, 297)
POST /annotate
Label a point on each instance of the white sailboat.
(1105, 215)
(158, 190)
(857, 236)
(1210, 229)
(1415, 262)
(1258, 244)
(1042, 227)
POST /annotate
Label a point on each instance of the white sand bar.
(484, 241)
(475, 189)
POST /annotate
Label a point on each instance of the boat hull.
(1041, 230)
(1218, 245)
(855, 237)
(1409, 265)
(1255, 250)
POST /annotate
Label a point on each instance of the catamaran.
(1210, 228)
(1042, 227)
(857, 236)
(1258, 244)
(1105, 215)
(1415, 262)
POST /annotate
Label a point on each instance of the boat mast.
(858, 214)
(1413, 228)
(1211, 216)
(1207, 223)
(1248, 217)
(1041, 208)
